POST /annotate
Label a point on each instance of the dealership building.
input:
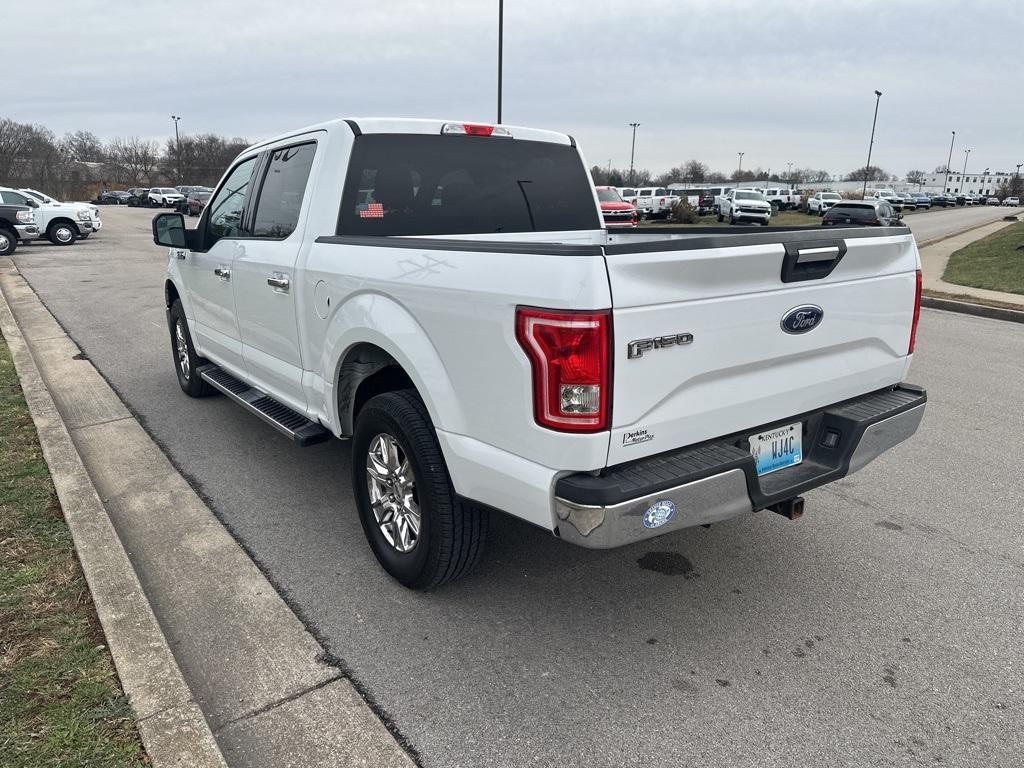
(983, 183)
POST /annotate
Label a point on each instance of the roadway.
(884, 628)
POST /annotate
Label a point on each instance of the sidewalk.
(935, 257)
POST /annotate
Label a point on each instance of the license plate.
(777, 449)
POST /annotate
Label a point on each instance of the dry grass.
(60, 700)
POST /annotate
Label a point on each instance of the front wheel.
(720, 218)
(8, 242)
(419, 531)
(62, 233)
(186, 361)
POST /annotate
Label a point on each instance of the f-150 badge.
(638, 347)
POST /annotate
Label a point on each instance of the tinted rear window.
(853, 212)
(401, 184)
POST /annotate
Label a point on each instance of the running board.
(297, 427)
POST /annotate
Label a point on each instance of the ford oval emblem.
(802, 319)
(659, 513)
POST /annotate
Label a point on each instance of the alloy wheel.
(393, 497)
(181, 344)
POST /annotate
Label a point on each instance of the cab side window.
(13, 198)
(277, 210)
(224, 217)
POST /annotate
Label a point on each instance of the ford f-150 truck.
(444, 296)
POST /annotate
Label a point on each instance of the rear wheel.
(186, 361)
(421, 533)
(8, 242)
(62, 233)
(720, 218)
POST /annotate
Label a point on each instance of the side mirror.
(31, 202)
(169, 230)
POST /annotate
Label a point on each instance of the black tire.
(62, 233)
(720, 218)
(8, 242)
(189, 381)
(451, 533)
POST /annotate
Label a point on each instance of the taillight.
(917, 315)
(570, 354)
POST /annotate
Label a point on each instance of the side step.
(297, 427)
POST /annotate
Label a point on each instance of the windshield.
(416, 184)
(750, 196)
(38, 195)
(608, 196)
(830, 196)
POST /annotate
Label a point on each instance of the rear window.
(853, 211)
(401, 184)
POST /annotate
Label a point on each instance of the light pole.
(739, 170)
(945, 184)
(963, 176)
(871, 144)
(632, 151)
(984, 181)
(789, 174)
(177, 143)
(501, 40)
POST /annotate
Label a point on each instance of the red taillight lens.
(917, 315)
(478, 130)
(570, 354)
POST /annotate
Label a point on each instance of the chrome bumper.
(738, 490)
(26, 231)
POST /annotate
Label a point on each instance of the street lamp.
(867, 168)
(632, 151)
(963, 176)
(177, 143)
(501, 37)
(945, 184)
(740, 169)
(789, 174)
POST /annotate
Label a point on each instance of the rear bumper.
(717, 480)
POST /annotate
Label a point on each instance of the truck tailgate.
(742, 369)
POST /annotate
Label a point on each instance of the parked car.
(615, 212)
(943, 200)
(895, 200)
(1011, 201)
(782, 198)
(163, 197)
(561, 374)
(196, 202)
(17, 224)
(992, 201)
(745, 205)
(62, 223)
(717, 193)
(921, 200)
(822, 201)
(654, 202)
(909, 201)
(139, 197)
(182, 205)
(869, 212)
(112, 197)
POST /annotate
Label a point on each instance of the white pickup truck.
(61, 223)
(444, 296)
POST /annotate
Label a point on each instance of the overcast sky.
(781, 81)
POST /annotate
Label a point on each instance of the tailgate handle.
(811, 261)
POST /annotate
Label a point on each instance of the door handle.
(223, 273)
(279, 282)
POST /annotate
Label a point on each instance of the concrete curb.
(171, 724)
(269, 692)
(967, 308)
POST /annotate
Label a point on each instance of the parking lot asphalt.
(884, 628)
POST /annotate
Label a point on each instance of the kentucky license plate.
(777, 448)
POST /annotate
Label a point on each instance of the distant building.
(969, 183)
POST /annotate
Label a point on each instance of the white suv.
(164, 197)
(62, 223)
(822, 201)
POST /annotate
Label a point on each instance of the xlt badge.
(638, 347)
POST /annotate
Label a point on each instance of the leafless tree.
(132, 160)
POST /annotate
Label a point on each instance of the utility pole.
(963, 176)
(945, 184)
(739, 170)
(789, 174)
(177, 143)
(501, 42)
(632, 152)
(871, 144)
